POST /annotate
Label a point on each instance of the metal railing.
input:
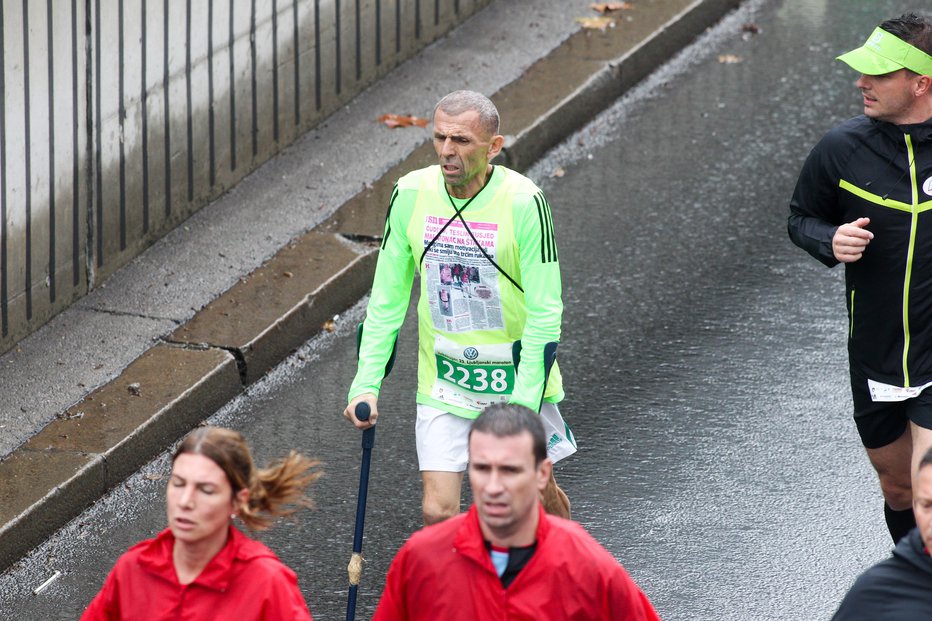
(121, 118)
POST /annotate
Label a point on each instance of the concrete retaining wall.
(120, 118)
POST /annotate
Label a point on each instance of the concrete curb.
(237, 338)
(269, 313)
(605, 67)
(103, 439)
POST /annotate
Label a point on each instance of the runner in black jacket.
(864, 198)
(898, 588)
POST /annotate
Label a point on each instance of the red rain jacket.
(245, 581)
(445, 572)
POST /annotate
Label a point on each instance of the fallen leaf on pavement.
(749, 27)
(596, 23)
(729, 59)
(330, 325)
(605, 7)
(400, 120)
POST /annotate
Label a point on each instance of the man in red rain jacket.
(505, 558)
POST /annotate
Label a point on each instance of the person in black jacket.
(899, 587)
(864, 198)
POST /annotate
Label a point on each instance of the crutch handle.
(362, 411)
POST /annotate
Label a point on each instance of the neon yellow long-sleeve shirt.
(469, 313)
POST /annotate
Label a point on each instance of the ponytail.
(275, 491)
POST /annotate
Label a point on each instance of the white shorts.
(443, 439)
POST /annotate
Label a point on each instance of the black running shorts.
(881, 422)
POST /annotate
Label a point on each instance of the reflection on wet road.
(703, 357)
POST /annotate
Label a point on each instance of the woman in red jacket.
(201, 566)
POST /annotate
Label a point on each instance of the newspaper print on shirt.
(462, 286)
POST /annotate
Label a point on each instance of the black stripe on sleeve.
(550, 238)
(388, 214)
(540, 217)
(548, 248)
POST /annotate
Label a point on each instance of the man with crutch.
(465, 216)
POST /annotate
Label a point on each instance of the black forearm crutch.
(362, 413)
(550, 356)
(562, 509)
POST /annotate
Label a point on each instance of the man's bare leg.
(922, 442)
(893, 464)
(555, 500)
(441, 495)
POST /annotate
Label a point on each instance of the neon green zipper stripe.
(909, 256)
(851, 317)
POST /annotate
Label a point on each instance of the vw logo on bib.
(470, 353)
(927, 186)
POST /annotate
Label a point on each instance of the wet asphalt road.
(703, 355)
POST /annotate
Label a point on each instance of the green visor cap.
(885, 53)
